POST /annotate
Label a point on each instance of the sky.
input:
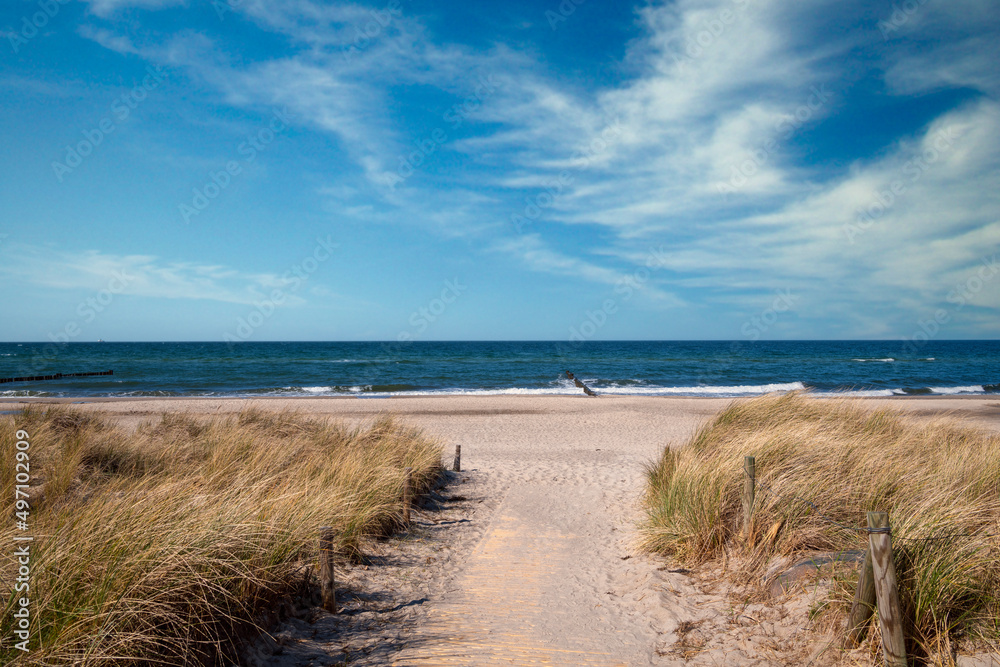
(545, 170)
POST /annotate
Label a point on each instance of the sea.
(371, 370)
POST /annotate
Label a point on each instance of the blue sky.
(306, 170)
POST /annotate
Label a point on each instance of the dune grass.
(934, 479)
(159, 546)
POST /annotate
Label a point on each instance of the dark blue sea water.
(713, 368)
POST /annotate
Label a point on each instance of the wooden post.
(458, 458)
(886, 591)
(587, 390)
(407, 475)
(749, 491)
(863, 605)
(326, 579)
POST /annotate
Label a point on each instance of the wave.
(734, 390)
(972, 389)
(331, 390)
(859, 393)
(910, 391)
(356, 389)
(914, 391)
(560, 387)
(886, 359)
(619, 388)
(564, 387)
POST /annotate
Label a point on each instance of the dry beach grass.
(159, 545)
(935, 479)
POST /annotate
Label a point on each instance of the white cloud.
(141, 275)
(109, 40)
(106, 8)
(690, 118)
(536, 255)
(703, 153)
(341, 83)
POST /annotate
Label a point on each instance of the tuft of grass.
(163, 545)
(934, 480)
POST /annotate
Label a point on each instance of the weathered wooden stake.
(407, 494)
(749, 491)
(886, 592)
(458, 458)
(326, 579)
(863, 605)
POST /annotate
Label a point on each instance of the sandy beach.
(457, 418)
(528, 556)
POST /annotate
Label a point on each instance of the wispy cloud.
(332, 84)
(109, 7)
(690, 118)
(536, 255)
(708, 112)
(141, 275)
(109, 40)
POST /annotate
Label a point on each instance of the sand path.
(543, 568)
(545, 584)
(549, 574)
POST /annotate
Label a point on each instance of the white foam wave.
(566, 388)
(860, 393)
(972, 389)
(886, 359)
(871, 393)
(316, 391)
(735, 390)
(721, 391)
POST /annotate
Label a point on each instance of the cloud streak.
(143, 275)
(715, 107)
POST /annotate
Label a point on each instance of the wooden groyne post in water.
(587, 390)
(57, 376)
